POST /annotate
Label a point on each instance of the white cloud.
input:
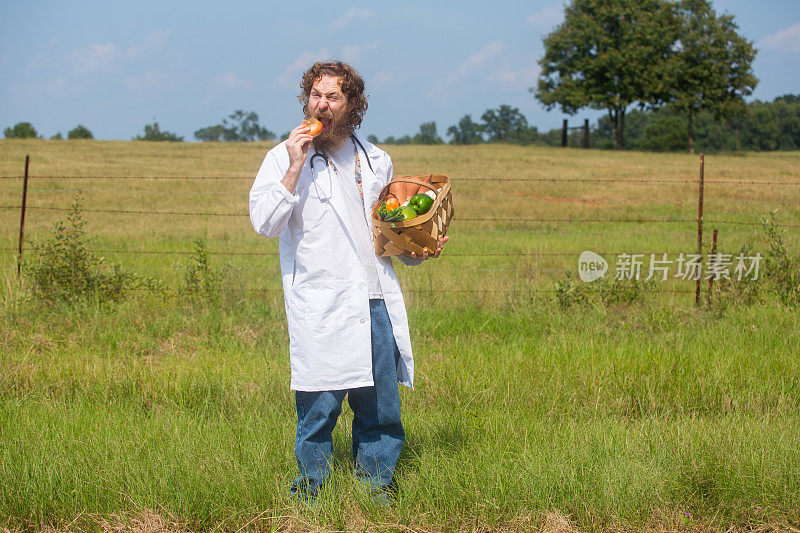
(382, 78)
(489, 65)
(477, 63)
(150, 81)
(37, 62)
(90, 59)
(547, 17)
(290, 77)
(480, 59)
(154, 41)
(77, 71)
(230, 80)
(353, 14)
(786, 40)
(517, 79)
(356, 53)
(60, 88)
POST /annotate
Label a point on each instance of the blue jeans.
(377, 431)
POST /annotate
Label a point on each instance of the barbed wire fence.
(790, 185)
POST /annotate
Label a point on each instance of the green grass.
(612, 419)
(176, 414)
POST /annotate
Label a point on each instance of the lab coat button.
(363, 320)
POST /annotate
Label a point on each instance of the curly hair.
(350, 81)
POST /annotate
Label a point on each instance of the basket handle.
(415, 181)
(411, 180)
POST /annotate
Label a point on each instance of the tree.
(153, 133)
(239, 126)
(57, 137)
(787, 111)
(467, 131)
(21, 130)
(405, 139)
(427, 134)
(505, 123)
(711, 67)
(662, 134)
(211, 133)
(608, 55)
(372, 138)
(80, 132)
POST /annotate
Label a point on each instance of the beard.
(334, 136)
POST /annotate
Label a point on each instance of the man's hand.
(434, 255)
(297, 145)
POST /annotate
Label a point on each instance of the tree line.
(239, 126)
(764, 126)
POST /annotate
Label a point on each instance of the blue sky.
(116, 66)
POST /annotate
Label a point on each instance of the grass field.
(175, 413)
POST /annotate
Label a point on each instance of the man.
(348, 330)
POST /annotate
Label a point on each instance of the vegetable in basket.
(421, 203)
(386, 215)
(408, 212)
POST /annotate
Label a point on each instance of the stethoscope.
(325, 160)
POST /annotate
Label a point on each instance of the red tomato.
(392, 203)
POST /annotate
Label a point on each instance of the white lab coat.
(324, 283)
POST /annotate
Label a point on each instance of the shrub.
(80, 132)
(201, 279)
(570, 292)
(747, 290)
(152, 132)
(63, 268)
(781, 267)
(21, 130)
(778, 274)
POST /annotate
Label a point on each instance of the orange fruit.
(316, 126)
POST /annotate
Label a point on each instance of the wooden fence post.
(586, 133)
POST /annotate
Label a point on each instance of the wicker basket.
(423, 231)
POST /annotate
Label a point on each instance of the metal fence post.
(700, 228)
(22, 214)
(711, 278)
(564, 128)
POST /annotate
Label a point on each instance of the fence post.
(586, 133)
(564, 134)
(700, 228)
(711, 278)
(22, 214)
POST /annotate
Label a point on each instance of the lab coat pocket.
(313, 210)
(321, 305)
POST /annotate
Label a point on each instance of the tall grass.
(176, 412)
